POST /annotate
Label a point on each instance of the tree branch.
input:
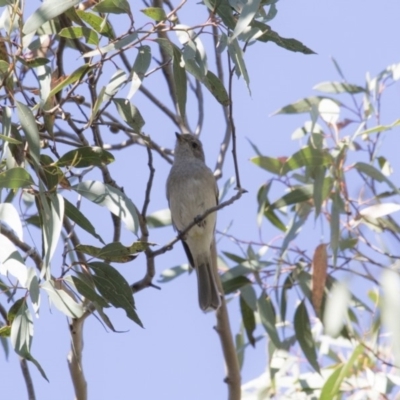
(223, 328)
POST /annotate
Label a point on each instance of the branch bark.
(223, 328)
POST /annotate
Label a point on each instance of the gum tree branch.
(223, 328)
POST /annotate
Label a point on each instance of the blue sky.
(177, 355)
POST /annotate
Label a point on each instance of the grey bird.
(192, 190)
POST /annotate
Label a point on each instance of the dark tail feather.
(209, 296)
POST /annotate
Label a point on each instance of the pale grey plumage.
(191, 190)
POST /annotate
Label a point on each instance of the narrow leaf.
(84, 157)
(111, 198)
(114, 288)
(302, 329)
(319, 273)
(15, 178)
(268, 318)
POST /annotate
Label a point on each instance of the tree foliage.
(69, 73)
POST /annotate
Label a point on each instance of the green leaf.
(268, 318)
(331, 387)
(216, 88)
(76, 32)
(232, 285)
(180, 81)
(139, 69)
(338, 87)
(236, 54)
(380, 128)
(111, 198)
(99, 24)
(113, 7)
(156, 13)
(248, 319)
(52, 174)
(53, 217)
(247, 14)
(303, 105)
(15, 178)
(63, 300)
(9, 215)
(307, 157)
(75, 215)
(270, 164)
(10, 139)
(318, 192)
(84, 157)
(336, 309)
(297, 195)
(159, 219)
(130, 114)
(335, 225)
(118, 80)
(33, 62)
(46, 12)
(85, 286)
(114, 252)
(75, 76)
(172, 273)
(22, 334)
(116, 45)
(114, 288)
(30, 129)
(302, 329)
(249, 296)
(375, 174)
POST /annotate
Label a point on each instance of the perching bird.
(192, 190)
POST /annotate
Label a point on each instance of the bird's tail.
(209, 296)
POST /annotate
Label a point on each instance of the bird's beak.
(178, 136)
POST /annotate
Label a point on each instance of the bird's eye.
(194, 145)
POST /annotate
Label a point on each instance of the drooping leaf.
(375, 174)
(140, 67)
(113, 199)
(22, 334)
(234, 284)
(63, 300)
(379, 128)
(86, 288)
(247, 14)
(336, 309)
(180, 81)
(302, 328)
(248, 319)
(84, 157)
(268, 319)
(114, 288)
(130, 114)
(236, 54)
(335, 225)
(31, 131)
(46, 12)
(79, 218)
(52, 173)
